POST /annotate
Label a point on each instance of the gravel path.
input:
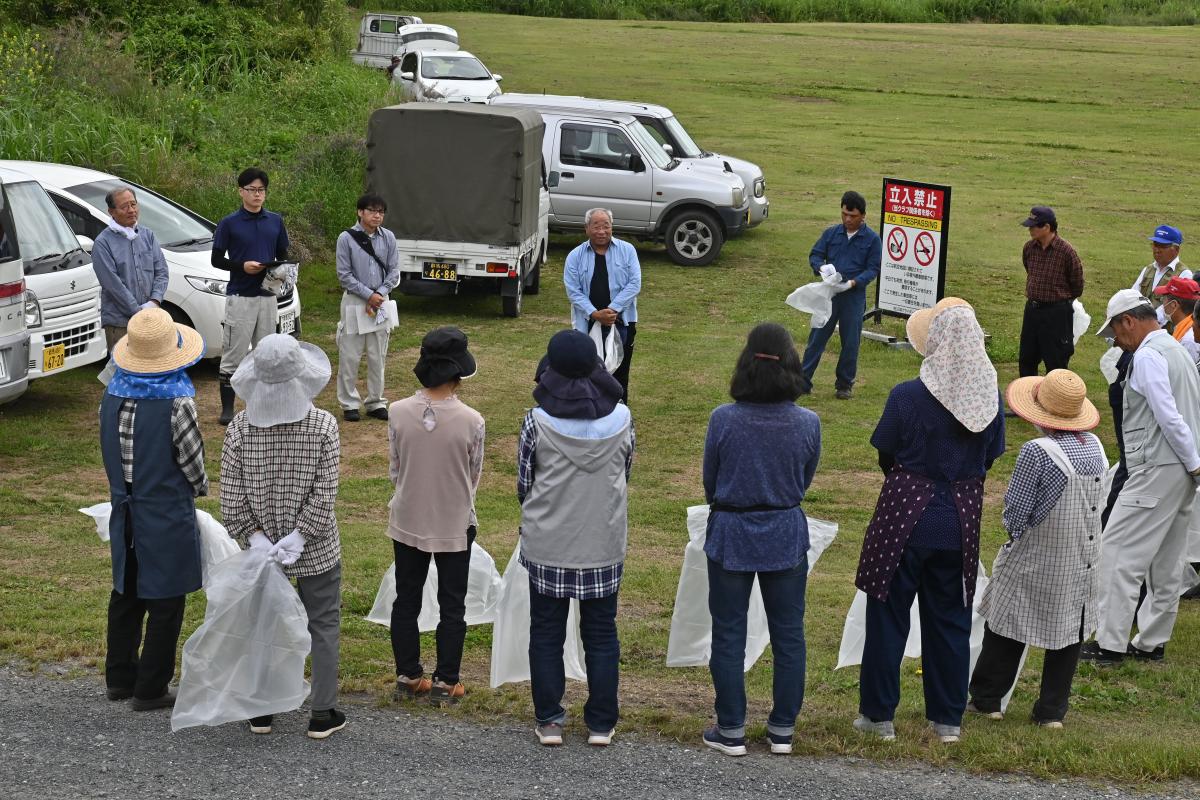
(62, 739)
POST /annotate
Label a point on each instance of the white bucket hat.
(279, 380)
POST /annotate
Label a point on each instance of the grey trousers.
(1144, 541)
(247, 321)
(113, 334)
(350, 352)
(322, 599)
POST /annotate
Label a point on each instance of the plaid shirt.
(1037, 483)
(185, 435)
(1053, 273)
(282, 478)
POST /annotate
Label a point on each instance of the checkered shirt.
(1053, 273)
(1037, 483)
(281, 478)
(185, 435)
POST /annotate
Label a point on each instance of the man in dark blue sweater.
(245, 244)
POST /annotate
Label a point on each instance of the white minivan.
(14, 336)
(196, 289)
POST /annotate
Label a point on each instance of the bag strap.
(364, 242)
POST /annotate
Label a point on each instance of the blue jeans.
(602, 654)
(848, 308)
(934, 578)
(728, 601)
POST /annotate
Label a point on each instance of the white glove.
(841, 287)
(288, 549)
(827, 270)
(147, 304)
(259, 541)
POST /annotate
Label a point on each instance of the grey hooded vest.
(1145, 444)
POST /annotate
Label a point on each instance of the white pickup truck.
(379, 38)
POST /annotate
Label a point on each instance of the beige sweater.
(436, 458)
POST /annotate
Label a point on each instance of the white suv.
(196, 290)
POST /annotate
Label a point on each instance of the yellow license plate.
(54, 357)
(439, 271)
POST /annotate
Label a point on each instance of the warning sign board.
(915, 225)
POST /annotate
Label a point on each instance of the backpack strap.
(364, 242)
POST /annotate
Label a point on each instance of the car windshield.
(171, 223)
(42, 233)
(454, 68)
(687, 146)
(650, 145)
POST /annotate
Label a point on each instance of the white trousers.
(247, 321)
(1144, 541)
(350, 351)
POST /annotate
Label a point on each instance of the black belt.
(1048, 304)
(747, 509)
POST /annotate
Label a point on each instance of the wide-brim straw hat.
(279, 379)
(1057, 401)
(917, 327)
(154, 344)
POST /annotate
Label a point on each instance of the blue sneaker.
(729, 745)
(780, 744)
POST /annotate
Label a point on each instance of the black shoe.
(324, 728)
(351, 415)
(227, 400)
(379, 413)
(843, 393)
(1192, 593)
(805, 386)
(261, 724)
(1157, 654)
(116, 693)
(1093, 652)
(165, 700)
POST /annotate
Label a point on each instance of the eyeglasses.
(255, 189)
(378, 211)
(130, 206)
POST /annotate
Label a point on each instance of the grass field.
(1097, 122)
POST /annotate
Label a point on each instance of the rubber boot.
(227, 397)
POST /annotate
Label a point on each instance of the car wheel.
(533, 284)
(512, 305)
(694, 238)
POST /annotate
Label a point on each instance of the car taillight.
(498, 267)
(12, 289)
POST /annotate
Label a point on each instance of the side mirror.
(407, 76)
(85, 242)
(668, 149)
(552, 180)
(497, 78)
(636, 164)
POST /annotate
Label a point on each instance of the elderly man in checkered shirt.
(279, 482)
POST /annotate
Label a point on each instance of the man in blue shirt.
(603, 277)
(854, 251)
(129, 265)
(245, 244)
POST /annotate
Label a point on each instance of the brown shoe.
(410, 688)
(445, 693)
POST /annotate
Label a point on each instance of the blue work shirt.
(856, 258)
(243, 236)
(624, 281)
(759, 454)
(131, 272)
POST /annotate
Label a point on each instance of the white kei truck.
(466, 196)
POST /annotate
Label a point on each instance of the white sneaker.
(947, 734)
(884, 730)
(989, 714)
(600, 739)
(549, 734)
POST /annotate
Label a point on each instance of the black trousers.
(1116, 401)
(996, 671)
(412, 568)
(146, 675)
(1045, 337)
(622, 373)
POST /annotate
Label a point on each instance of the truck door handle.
(568, 175)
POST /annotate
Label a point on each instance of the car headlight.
(495, 93)
(209, 285)
(33, 310)
(739, 197)
(760, 187)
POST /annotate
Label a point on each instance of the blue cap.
(1165, 234)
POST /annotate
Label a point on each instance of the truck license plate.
(439, 271)
(54, 357)
(287, 322)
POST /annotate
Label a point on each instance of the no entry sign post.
(915, 227)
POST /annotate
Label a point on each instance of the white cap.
(1122, 301)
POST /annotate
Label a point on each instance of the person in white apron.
(1044, 579)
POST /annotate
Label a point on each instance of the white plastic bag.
(610, 348)
(247, 658)
(690, 642)
(215, 543)
(1080, 321)
(510, 634)
(483, 592)
(1108, 364)
(854, 632)
(1192, 552)
(816, 299)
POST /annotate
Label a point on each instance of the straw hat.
(154, 344)
(917, 327)
(279, 380)
(1057, 401)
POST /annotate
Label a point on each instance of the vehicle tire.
(694, 238)
(512, 305)
(533, 286)
(178, 315)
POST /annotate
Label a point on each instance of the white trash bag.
(247, 658)
(690, 641)
(215, 543)
(1108, 364)
(854, 633)
(510, 634)
(610, 348)
(1080, 321)
(814, 298)
(483, 592)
